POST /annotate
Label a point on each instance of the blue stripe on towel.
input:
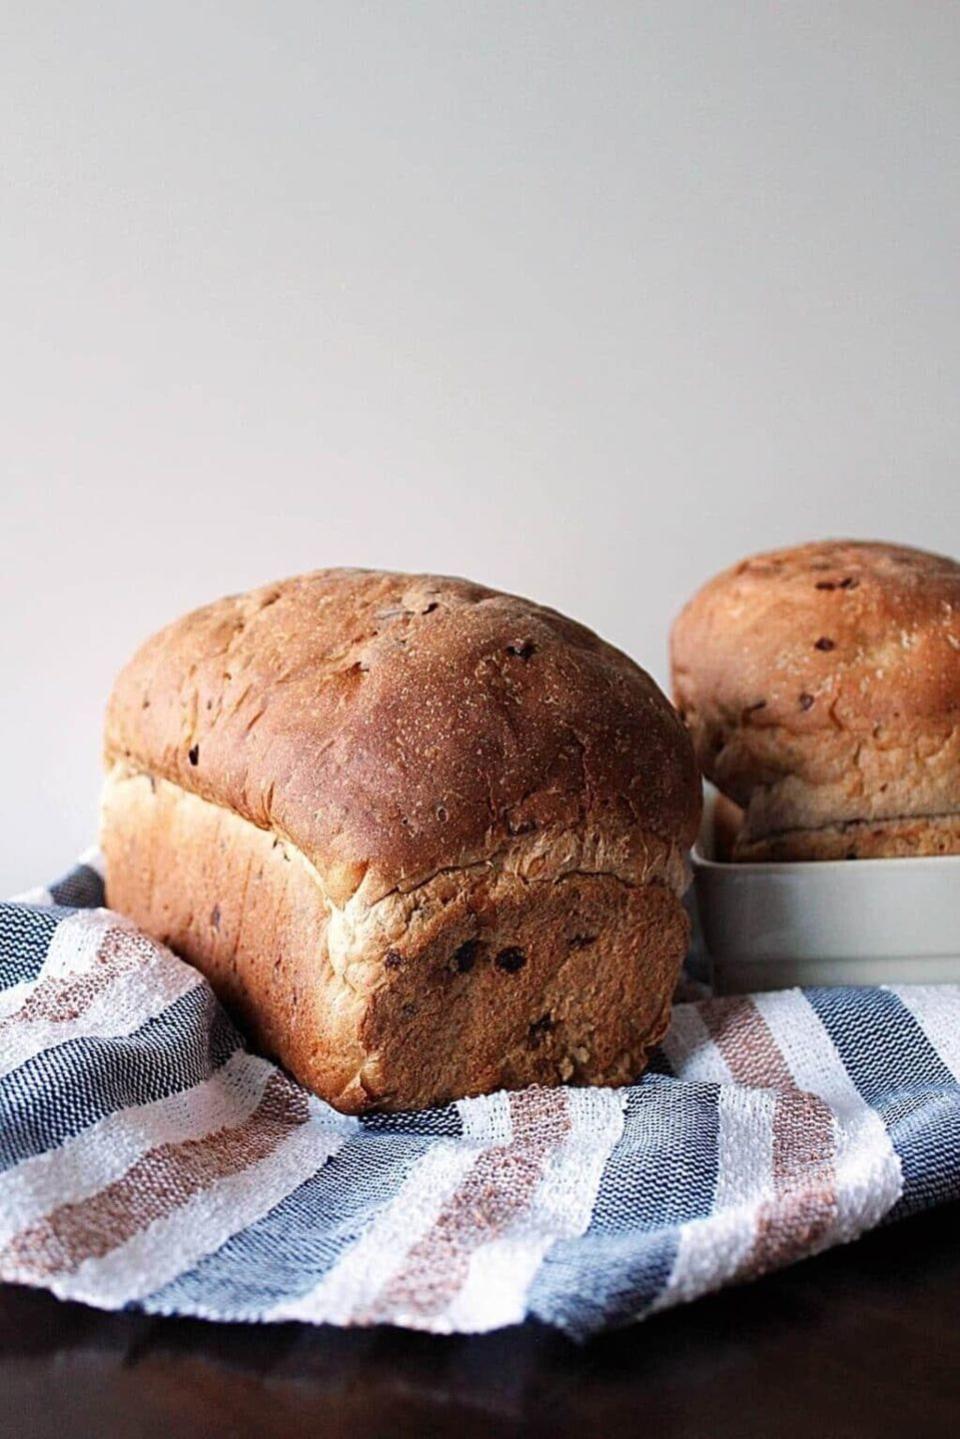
(661, 1174)
(82, 888)
(289, 1250)
(443, 1122)
(60, 1092)
(899, 1073)
(25, 934)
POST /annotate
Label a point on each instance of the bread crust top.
(840, 632)
(393, 725)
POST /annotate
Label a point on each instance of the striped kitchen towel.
(148, 1161)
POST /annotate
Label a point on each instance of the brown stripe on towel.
(159, 1183)
(62, 998)
(804, 1204)
(497, 1188)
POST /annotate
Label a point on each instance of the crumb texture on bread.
(424, 838)
(821, 686)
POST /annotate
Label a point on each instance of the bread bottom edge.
(900, 837)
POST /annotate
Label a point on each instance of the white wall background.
(583, 300)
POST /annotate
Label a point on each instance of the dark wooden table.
(864, 1341)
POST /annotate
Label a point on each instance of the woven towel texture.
(148, 1160)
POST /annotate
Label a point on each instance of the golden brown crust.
(442, 831)
(241, 905)
(821, 686)
(528, 969)
(390, 725)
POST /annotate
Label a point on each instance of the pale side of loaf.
(425, 839)
(821, 686)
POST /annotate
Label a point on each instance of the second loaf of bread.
(425, 839)
(821, 685)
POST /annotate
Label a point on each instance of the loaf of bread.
(821, 686)
(425, 840)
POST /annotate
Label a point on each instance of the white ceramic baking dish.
(867, 921)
